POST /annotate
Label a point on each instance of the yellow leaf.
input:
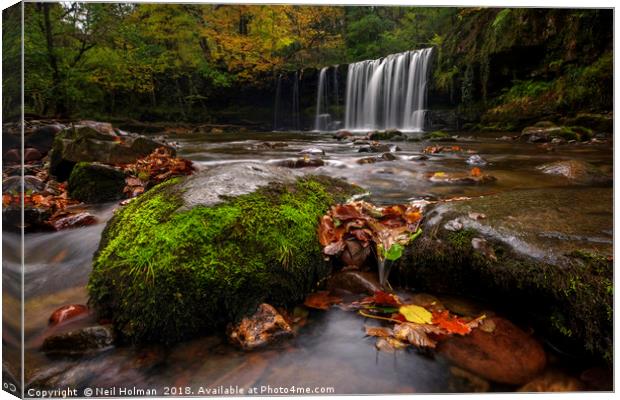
(416, 314)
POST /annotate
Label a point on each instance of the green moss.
(94, 183)
(163, 273)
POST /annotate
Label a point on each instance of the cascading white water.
(321, 119)
(388, 93)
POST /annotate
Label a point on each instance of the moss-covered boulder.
(96, 183)
(193, 254)
(540, 254)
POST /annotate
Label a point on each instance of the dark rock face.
(96, 183)
(42, 138)
(85, 341)
(264, 327)
(355, 282)
(531, 245)
(506, 354)
(97, 142)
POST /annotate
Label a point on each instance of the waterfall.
(388, 93)
(286, 113)
(321, 119)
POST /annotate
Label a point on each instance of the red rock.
(262, 328)
(32, 154)
(12, 156)
(506, 354)
(65, 313)
(74, 221)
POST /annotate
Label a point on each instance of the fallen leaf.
(378, 331)
(475, 172)
(451, 323)
(383, 298)
(389, 344)
(417, 334)
(416, 314)
(321, 300)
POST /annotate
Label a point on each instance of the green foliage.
(164, 274)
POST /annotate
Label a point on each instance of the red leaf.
(384, 299)
(345, 212)
(451, 323)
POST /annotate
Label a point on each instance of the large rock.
(545, 255)
(96, 183)
(42, 137)
(194, 254)
(504, 354)
(97, 142)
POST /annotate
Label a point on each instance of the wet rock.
(97, 142)
(42, 137)
(577, 171)
(270, 145)
(32, 154)
(549, 256)
(70, 221)
(12, 156)
(343, 135)
(389, 134)
(382, 157)
(13, 184)
(553, 381)
(484, 248)
(374, 148)
(453, 225)
(443, 178)
(67, 312)
(304, 162)
(476, 160)
(506, 355)
(264, 327)
(96, 183)
(228, 216)
(85, 341)
(356, 282)
(313, 151)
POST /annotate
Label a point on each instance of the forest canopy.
(165, 61)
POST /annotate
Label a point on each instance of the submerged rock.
(553, 381)
(216, 245)
(85, 341)
(265, 326)
(70, 221)
(96, 183)
(505, 355)
(304, 162)
(577, 171)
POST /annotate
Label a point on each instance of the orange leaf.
(321, 300)
(451, 323)
(475, 172)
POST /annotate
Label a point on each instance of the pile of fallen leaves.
(362, 226)
(442, 149)
(155, 168)
(406, 324)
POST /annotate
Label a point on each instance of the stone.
(576, 171)
(32, 154)
(42, 137)
(356, 282)
(71, 221)
(85, 341)
(304, 162)
(264, 327)
(12, 156)
(313, 151)
(96, 183)
(476, 160)
(506, 355)
(219, 242)
(97, 142)
(343, 135)
(67, 312)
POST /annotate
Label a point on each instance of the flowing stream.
(331, 350)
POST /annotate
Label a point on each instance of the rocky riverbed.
(497, 198)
